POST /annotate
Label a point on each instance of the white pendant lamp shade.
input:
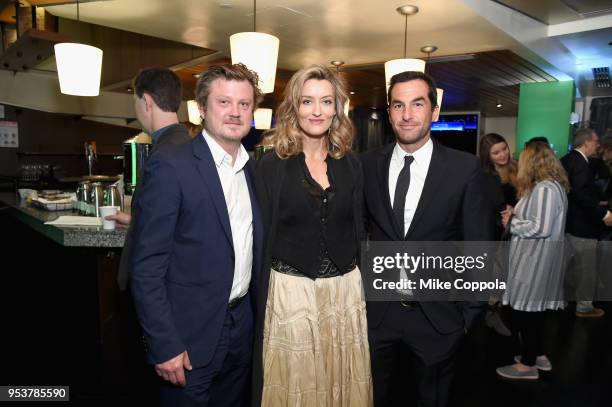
(439, 95)
(263, 119)
(396, 66)
(79, 67)
(259, 52)
(194, 112)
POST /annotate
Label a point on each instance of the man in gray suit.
(157, 97)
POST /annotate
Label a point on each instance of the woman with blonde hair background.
(311, 333)
(536, 267)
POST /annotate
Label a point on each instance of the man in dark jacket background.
(585, 220)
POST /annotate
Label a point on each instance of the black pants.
(430, 361)
(530, 327)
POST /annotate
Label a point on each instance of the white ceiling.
(363, 32)
(310, 31)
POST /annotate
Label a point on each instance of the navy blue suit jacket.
(183, 256)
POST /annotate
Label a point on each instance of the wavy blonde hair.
(539, 163)
(286, 137)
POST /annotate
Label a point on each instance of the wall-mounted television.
(458, 130)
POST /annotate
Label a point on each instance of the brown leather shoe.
(594, 313)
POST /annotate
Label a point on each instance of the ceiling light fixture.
(194, 112)
(263, 118)
(429, 49)
(79, 66)
(347, 104)
(498, 105)
(396, 66)
(258, 51)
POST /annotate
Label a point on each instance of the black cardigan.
(306, 227)
(269, 178)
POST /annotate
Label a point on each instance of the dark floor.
(580, 351)
(49, 331)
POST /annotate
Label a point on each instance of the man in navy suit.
(197, 247)
(418, 190)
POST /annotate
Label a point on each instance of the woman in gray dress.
(536, 267)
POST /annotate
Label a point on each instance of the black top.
(500, 195)
(315, 225)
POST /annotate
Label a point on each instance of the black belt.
(235, 302)
(326, 269)
(410, 304)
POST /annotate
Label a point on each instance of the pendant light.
(263, 118)
(194, 112)
(347, 103)
(79, 66)
(396, 66)
(429, 49)
(258, 51)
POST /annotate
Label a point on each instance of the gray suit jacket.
(175, 134)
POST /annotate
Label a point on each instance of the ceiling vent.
(601, 77)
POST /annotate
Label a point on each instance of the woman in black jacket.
(501, 171)
(311, 335)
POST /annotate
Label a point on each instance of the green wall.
(544, 110)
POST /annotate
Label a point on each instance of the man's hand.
(123, 219)
(172, 370)
(608, 219)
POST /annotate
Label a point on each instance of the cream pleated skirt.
(315, 349)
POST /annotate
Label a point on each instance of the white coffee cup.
(104, 212)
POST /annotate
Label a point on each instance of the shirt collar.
(220, 156)
(157, 133)
(422, 155)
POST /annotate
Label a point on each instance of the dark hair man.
(157, 97)
(418, 190)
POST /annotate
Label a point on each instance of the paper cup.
(104, 212)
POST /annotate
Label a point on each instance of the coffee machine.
(135, 153)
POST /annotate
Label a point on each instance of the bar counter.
(60, 298)
(70, 236)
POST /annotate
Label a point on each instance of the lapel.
(433, 181)
(384, 160)
(208, 171)
(257, 216)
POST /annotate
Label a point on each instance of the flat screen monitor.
(457, 130)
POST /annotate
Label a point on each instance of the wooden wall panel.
(125, 53)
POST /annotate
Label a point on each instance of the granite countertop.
(77, 236)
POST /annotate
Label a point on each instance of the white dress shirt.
(418, 173)
(583, 155)
(238, 201)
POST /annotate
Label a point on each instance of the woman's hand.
(506, 215)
